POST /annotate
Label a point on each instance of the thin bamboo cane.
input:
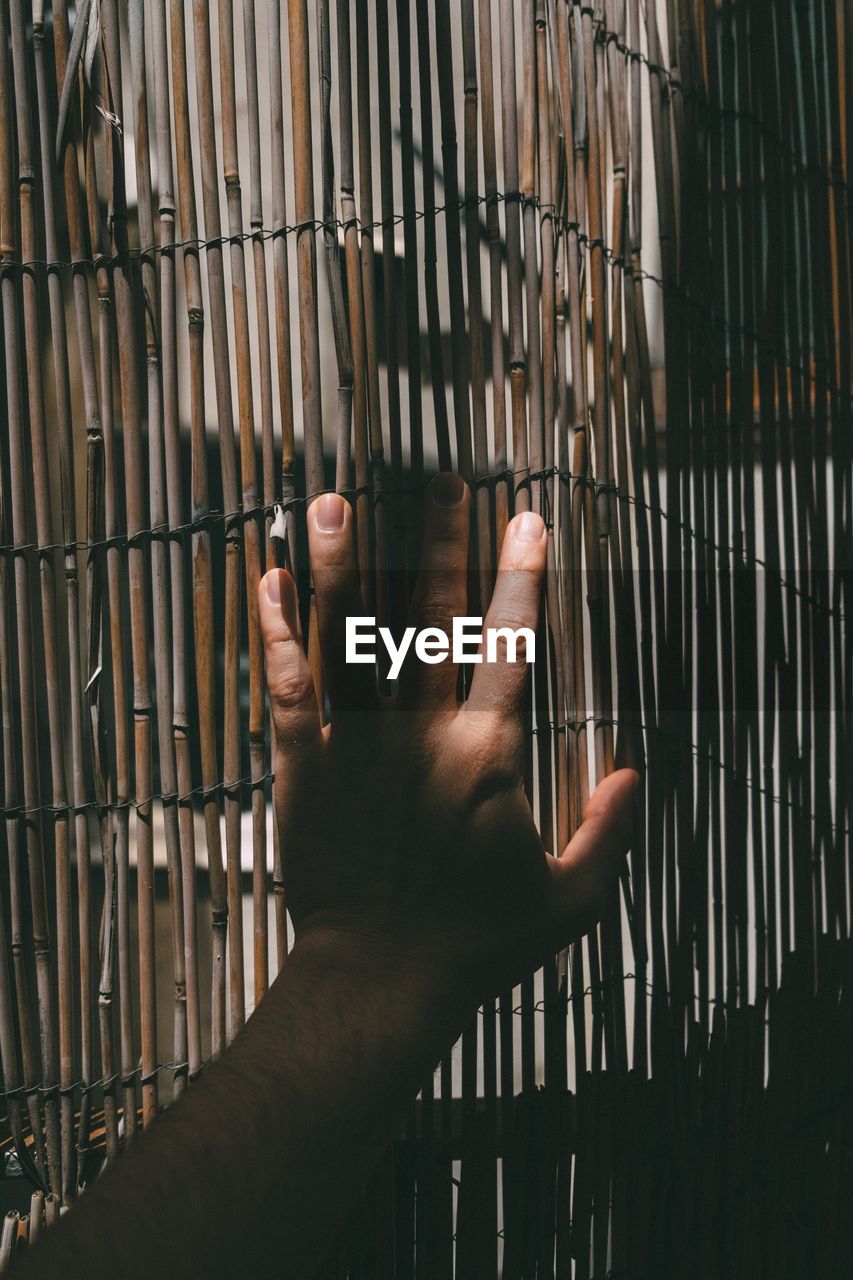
(285, 388)
(74, 219)
(355, 299)
(120, 780)
(306, 274)
(305, 247)
(413, 354)
(475, 306)
(10, 252)
(493, 231)
(9, 1044)
(368, 273)
(282, 301)
(158, 551)
(9, 1240)
(230, 497)
(175, 512)
(512, 234)
(470, 1249)
(460, 358)
(260, 268)
(248, 465)
(117, 826)
(259, 797)
(533, 334)
(72, 584)
(431, 303)
(397, 550)
(135, 518)
(334, 276)
(36, 1222)
(603, 737)
(202, 573)
(28, 188)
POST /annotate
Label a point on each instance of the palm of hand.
(404, 824)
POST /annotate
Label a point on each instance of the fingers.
(499, 684)
(351, 686)
(441, 591)
(291, 690)
(590, 863)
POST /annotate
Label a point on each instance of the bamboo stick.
(248, 466)
(334, 275)
(512, 233)
(175, 515)
(460, 359)
(413, 354)
(51, 206)
(431, 303)
(493, 231)
(355, 299)
(259, 795)
(202, 575)
(10, 254)
(280, 273)
(158, 551)
(120, 780)
(368, 272)
(28, 188)
(305, 247)
(475, 306)
(136, 522)
(397, 551)
(285, 387)
(8, 1044)
(230, 498)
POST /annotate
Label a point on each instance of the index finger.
(499, 684)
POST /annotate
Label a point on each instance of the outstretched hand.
(406, 833)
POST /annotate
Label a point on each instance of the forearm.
(259, 1163)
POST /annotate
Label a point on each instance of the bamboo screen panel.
(596, 257)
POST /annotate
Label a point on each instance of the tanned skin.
(418, 887)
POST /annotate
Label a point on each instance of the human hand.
(406, 834)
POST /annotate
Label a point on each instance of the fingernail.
(272, 583)
(447, 489)
(329, 512)
(530, 527)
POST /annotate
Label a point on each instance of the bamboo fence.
(626, 305)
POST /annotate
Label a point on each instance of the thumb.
(591, 861)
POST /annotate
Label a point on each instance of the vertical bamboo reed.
(136, 522)
(285, 387)
(248, 466)
(175, 515)
(369, 300)
(355, 297)
(163, 638)
(230, 498)
(334, 275)
(202, 571)
(28, 187)
(59, 343)
(11, 248)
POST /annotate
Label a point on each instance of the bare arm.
(418, 886)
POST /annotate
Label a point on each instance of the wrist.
(415, 986)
